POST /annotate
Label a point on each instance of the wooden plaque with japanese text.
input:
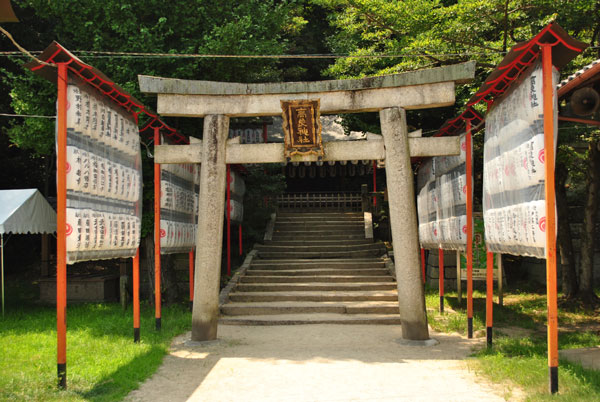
(302, 127)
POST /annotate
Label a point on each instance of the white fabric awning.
(25, 211)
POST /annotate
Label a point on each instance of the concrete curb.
(270, 228)
(389, 264)
(368, 220)
(235, 279)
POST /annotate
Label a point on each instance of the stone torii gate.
(389, 95)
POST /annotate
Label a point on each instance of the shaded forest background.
(416, 34)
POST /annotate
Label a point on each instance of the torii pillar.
(403, 219)
(209, 240)
(388, 95)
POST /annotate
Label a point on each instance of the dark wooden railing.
(326, 201)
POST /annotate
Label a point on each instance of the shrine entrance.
(390, 96)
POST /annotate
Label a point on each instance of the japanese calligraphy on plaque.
(302, 127)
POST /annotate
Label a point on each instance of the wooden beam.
(334, 151)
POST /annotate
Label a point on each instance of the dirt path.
(316, 363)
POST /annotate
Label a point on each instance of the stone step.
(286, 236)
(319, 225)
(321, 215)
(320, 254)
(318, 272)
(330, 296)
(312, 260)
(313, 248)
(329, 221)
(275, 265)
(319, 242)
(313, 278)
(309, 308)
(319, 232)
(307, 319)
(315, 287)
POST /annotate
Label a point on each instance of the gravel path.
(316, 363)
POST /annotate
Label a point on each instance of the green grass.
(103, 363)
(522, 360)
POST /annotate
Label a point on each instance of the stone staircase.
(318, 268)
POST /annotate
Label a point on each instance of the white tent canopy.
(25, 211)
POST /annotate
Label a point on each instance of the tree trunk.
(586, 278)
(565, 240)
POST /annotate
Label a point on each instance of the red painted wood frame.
(548, 91)
(136, 296)
(489, 297)
(441, 277)
(191, 280)
(157, 236)
(228, 220)
(61, 226)
(469, 177)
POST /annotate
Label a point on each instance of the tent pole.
(2, 259)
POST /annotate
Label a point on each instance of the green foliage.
(426, 34)
(209, 27)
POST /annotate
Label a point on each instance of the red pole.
(489, 301)
(61, 227)
(157, 233)
(423, 264)
(191, 264)
(240, 240)
(469, 233)
(374, 182)
(441, 278)
(548, 89)
(228, 220)
(136, 296)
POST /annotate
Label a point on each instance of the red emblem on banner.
(542, 156)
(542, 223)
(68, 167)
(69, 229)
(163, 233)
